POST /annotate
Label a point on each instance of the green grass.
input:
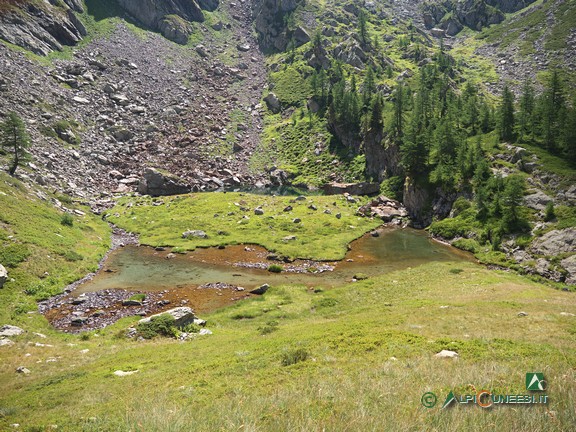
(321, 368)
(293, 145)
(319, 235)
(42, 254)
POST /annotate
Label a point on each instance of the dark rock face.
(155, 183)
(151, 12)
(41, 28)
(452, 16)
(270, 24)
(169, 17)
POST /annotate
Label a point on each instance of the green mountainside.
(459, 115)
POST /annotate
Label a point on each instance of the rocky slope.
(125, 102)
(41, 27)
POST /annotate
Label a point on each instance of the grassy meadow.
(230, 219)
(354, 358)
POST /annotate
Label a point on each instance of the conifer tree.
(15, 140)
(526, 113)
(506, 115)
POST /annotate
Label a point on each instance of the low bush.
(67, 220)
(294, 355)
(275, 268)
(162, 325)
(13, 254)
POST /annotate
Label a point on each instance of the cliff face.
(41, 27)
(169, 17)
(453, 16)
(152, 12)
(270, 23)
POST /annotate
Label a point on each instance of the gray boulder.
(273, 103)
(182, 316)
(9, 331)
(537, 201)
(156, 183)
(351, 188)
(194, 234)
(556, 242)
(175, 29)
(3, 275)
(261, 289)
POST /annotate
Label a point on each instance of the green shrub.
(192, 328)
(138, 297)
(469, 245)
(360, 276)
(460, 205)
(393, 188)
(162, 325)
(550, 214)
(456, 271)
(325, 302)
(451, 227)
(275, 268)
(67, 220)
(13, 254)
(271, 326)
(294, 355)
(73, 256)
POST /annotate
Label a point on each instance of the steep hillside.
(126, 98)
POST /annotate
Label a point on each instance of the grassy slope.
(45, 255)
(234, 378)
(318, 236)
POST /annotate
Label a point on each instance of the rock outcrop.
(156, 183)
(3, 275)
(556, 242)
(169, 17)
(41, 27)
(452, 16)
(273, 33)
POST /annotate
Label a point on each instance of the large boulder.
(182, 316)
(156, 183)
(272, 102)
(9, 331)
(175, 28)
(3, 275)
(556, 242)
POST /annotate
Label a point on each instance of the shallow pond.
(145, 269)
